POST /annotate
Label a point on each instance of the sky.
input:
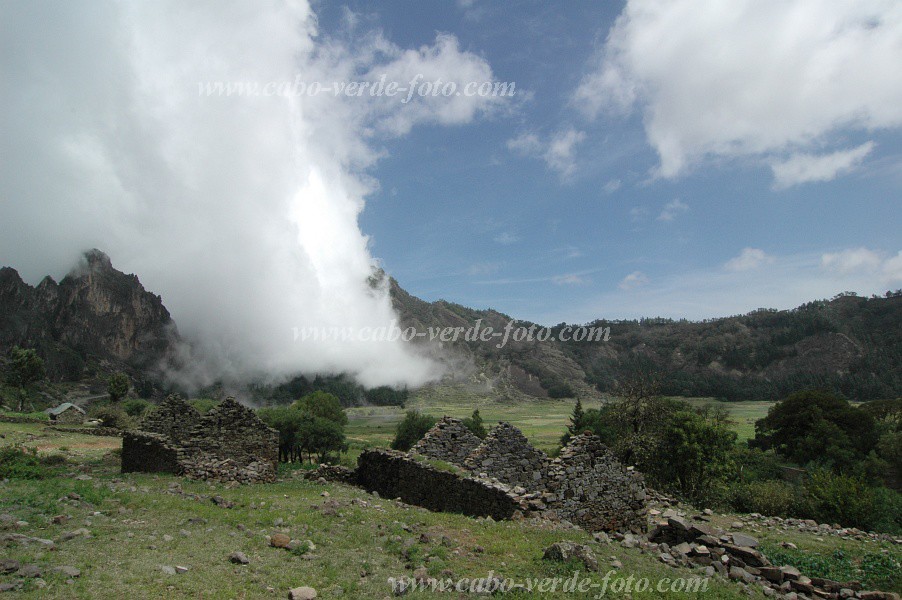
(684, 159)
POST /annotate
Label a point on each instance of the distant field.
(542, 421)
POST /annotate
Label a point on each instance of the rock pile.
(736, 556)
(507, 455)
(449, 440)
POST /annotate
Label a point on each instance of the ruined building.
(229, 443)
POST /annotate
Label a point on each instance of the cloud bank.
(240, 211)
(779, 81)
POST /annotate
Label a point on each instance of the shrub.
(136, 407)
(112, 416)
(836, 498)
(773, 498)
(411, 429)
(203, 405)
(19, 463)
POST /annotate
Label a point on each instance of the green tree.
(577, 422)
(817, 427)
(694, 454)
(287, 421)
(475, 425)
(25, 368)
(413, 427)
(323, 404)
(321, 436)
(117, 386)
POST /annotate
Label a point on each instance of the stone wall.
(507, 455)
(147, 452)
(173, 418)
(587, 486)
(234, 431)
(395, 475)
(230, 443)
(449, 440)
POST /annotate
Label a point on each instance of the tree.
(413, 427)
(817, 427)
(117, 386)
(475, 425)
(25, 368)
(694, 452)
(577, 422)
(321, 436)
(323, 404)
(287, 421)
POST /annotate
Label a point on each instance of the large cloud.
(241, 211)
(760, 78)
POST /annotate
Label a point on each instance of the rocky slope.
(95, 316)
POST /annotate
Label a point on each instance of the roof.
(63, 408)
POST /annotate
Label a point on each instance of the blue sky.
(460, 215)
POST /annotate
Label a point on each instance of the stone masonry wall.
(395, 475)
(587, 486)
(230, 443)
(449, 440)
(507, 455)
(173, 418)
(147, 452)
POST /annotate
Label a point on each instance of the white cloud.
(506, 238)
(634, 280)
(242, 212)
(852, 260)
(672, 209)
(784, 282)
(749, 259)
(748, 78)
(558, 152)
(804, 168)
(568, 279)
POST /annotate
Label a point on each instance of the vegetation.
(25, 368)
(117, 386)
(412, 429)
(475, 425)
(111, 415)
(313, 426)
(136, 407)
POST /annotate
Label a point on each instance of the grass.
(543, 421)
(357, 548)
(359, 542)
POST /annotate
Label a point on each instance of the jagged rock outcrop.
(94, 313)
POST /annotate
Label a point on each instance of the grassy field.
(140, 525)
(542, 421)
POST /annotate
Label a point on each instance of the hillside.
(849, 344)
(98, 319)
(95, 319)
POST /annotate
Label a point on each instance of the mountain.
(96, 317)
(850, 344)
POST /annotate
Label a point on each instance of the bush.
(19, 463)
(411, 429)
(773, 498)
(834, 498)
(887, 512)
(136, 407)
(112, 416)
(203, 405)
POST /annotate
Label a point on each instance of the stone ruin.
(449, 440)
(229, 443)
(504, 476)
(587, 486)
(507, 455)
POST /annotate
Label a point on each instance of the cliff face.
(95, 313)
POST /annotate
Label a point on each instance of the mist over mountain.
(98, 319)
